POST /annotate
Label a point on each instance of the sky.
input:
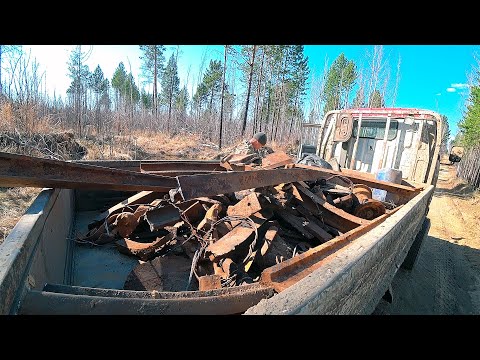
(432, 77)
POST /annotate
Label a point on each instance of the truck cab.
(371, 139)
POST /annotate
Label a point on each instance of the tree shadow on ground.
(445, 280)
(462, 190)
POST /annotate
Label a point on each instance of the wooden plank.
(168, 273)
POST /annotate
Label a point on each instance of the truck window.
(375, 129)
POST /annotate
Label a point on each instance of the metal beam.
(176, 165)
(22, 170)
(193, 186)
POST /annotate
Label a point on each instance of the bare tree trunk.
(397, 81)
(244, 124)
(257, 97)
(155, 76)
(223, 93)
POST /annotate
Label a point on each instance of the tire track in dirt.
(445, 300)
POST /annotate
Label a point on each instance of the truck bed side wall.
(36, 250)
(356, 277)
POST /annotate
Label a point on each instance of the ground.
(446, 277)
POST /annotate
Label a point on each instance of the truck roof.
(413, 112)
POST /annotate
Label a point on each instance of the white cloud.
(438, 94)
(451, 89)
(459, 86)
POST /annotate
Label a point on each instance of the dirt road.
(446, 277)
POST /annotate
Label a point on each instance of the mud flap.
(412, 254)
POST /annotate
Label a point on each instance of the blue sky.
(432, 77)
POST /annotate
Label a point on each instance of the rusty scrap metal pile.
(189, 241)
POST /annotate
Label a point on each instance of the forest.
(266, 88)
(254, 88)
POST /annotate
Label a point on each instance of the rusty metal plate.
(276, 160)
(161, 217)
(245, 207)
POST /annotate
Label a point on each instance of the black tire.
(412, 254)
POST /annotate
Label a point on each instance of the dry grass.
(13, 203)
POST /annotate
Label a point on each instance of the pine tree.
(470, 124)
(80, 74)
(181, 102)
(118, 80)
(152, 68)
(445, 134)
(170, 86)
(341, 78)
(376, 100)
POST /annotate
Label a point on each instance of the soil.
(445, 279)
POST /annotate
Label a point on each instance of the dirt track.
(446, 277)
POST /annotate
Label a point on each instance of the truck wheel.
(412, 254)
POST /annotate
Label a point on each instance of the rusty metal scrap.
(229, 182)
(144, 251)
(161, 274)
(235, 238)
(276, 159)
(236, 227)
(209, 282)
(245, 207)
(199, 165)
(161, 217)
(22, 170)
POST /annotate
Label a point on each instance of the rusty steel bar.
(22, 170)
(289, 272)
(68, 300)
(193, 186)
(174, 173)
(357, 177)
(200, 165)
